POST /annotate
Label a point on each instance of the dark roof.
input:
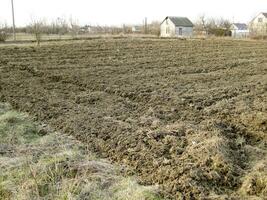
(265, 14)
(181, 21)
(241, 26)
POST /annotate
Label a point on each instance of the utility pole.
(146, 26)
(13, 17)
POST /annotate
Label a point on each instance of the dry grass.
(36, 164)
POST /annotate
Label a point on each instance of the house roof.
(264, 14)
(241, 26)
(181, 21)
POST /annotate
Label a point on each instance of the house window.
(167, 30)
(167, 22)
(259, 19)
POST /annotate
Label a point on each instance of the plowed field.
(188, 115)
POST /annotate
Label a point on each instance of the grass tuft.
(55, 166)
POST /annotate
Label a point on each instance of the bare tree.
(37, 29)
(3, 32)
(154, 28)
(213, 26)
(74, 27)
(202, 25)
(62, 26)
(224, 23)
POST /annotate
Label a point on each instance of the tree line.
(62, 26)
(212, 26)
(39, 27)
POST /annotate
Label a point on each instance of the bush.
(219, 32)
(3, 36)
(259, 37)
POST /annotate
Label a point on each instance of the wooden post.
(13, 19)
(146, 26)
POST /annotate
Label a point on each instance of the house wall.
(257, 27)
(240, 33)
(167, 28)
(186, 31)
(236, 33)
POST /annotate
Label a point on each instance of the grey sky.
(117, 12)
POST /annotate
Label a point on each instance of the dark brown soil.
(188, 115)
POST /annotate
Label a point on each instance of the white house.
(239, 30)
(137, 29)
(176, 27)
(258, 26)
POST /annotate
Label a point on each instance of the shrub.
(259, 37)
(3, 36)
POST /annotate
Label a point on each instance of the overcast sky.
(117, 12)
